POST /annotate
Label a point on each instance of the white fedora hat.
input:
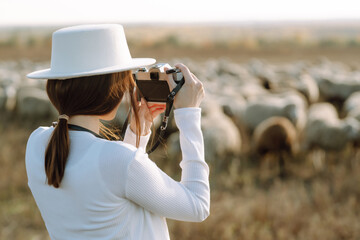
(88, 50)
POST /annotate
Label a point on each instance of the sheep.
(251, 90)
(222, 139)
(173, 147)
(275, 134)
(331, 136)
(227, 67)
(354, 113)
(337, 89)
(275, 137)
(307, 85)
(209, 106)
(208, 72)
(289, 104)
(261, 70)
(294, 80)
(232, 106)
(352, 102)
(11, 93)
(8, 77)
(9, 82)
(326, 131)
(34, 103)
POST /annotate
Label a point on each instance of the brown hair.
(92, 95)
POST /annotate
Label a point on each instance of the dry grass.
(292, 209)
(248, 201)
(19, 217)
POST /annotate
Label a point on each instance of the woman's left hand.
(147, 113)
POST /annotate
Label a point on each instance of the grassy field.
(248, 200)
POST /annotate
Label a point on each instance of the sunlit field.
(308, 192)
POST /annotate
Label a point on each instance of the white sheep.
(291, 78)
(221, 137)
(307, 85)
(326, 131)
(291, 105)
(34, 103)
(354, 113)
(9, 77)
(352, 102)
(251, 90)
(338, 88)
(11, 92)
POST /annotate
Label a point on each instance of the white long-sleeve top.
(112, 190)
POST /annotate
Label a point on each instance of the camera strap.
(165, 120)
(164, 123)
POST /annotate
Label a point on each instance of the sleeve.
(187, 200)
(130, 138)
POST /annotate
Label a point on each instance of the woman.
(87, 187)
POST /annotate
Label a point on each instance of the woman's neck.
(89, 122)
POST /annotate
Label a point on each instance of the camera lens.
(154, 75)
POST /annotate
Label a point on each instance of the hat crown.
(86, 48)
(89, 50)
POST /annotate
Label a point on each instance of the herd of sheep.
(252, 108)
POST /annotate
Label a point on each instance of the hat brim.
(133, 64)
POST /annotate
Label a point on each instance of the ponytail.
(57, 153)
(88, 95)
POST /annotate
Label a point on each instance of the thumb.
(170, 80)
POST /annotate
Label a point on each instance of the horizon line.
(194, 23)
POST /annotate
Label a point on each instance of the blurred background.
(280, 119)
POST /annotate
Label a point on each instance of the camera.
(151, 82)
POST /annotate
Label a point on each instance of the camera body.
(151, 82)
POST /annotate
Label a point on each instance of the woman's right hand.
(191, 93)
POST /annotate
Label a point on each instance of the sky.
(63, 12)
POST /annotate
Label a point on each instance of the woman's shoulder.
(40, 133)
(41, 130)
(118, 147)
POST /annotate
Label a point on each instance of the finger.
(158, 106)
(195, 78)
(157, 113)
(152, 105)
(156, 109)
(170, 80)
(186, 73)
